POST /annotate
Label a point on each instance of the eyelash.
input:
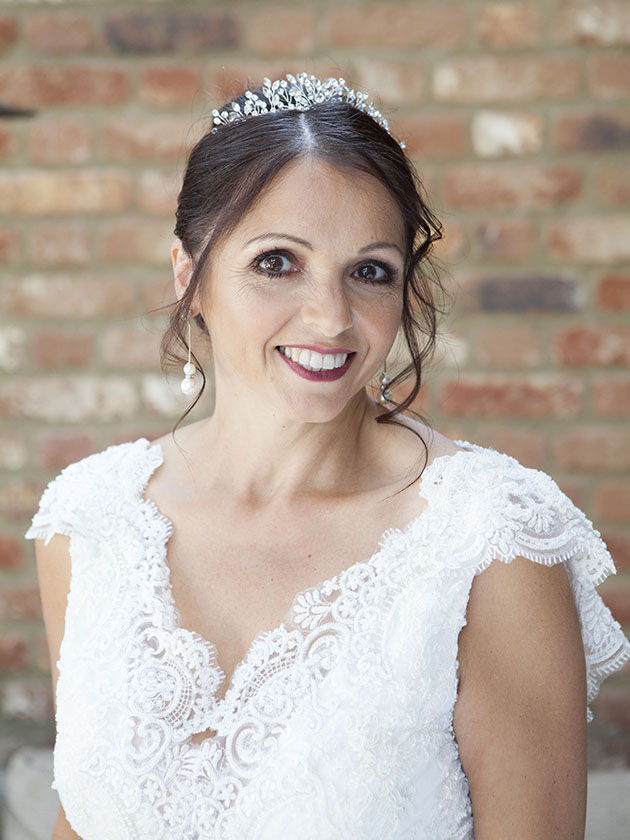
(391, 273)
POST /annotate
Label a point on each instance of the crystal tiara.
(296, 93)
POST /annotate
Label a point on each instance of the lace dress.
(338, 724)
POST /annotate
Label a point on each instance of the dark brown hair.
(228, 170)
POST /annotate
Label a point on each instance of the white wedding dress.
(337, 725)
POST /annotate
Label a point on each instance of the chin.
(313, 410)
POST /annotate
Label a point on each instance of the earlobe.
(182, 267)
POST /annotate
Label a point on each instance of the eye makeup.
(389, 273)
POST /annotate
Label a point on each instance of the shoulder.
(88, 483)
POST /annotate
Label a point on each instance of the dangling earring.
(384, 394)
(189, 384)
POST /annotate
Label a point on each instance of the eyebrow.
(274, 235)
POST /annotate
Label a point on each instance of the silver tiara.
(296, 93)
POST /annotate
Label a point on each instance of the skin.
(282, 454)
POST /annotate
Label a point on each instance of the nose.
(327, 309)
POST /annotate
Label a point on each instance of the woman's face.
(303, 300)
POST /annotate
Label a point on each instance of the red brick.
(526, 445)
(14, 451)
(509, 24)
(58, 33)
(137, 240)
(612, 398)
(20, 602)
(35, 86)
(507, 346)
(617, 598)
(8, 32)
(65, 399)
(609, 76)
(18, 498)
(59, 243)
(66, 296)
(11, 552)
(434, 135)
(397, 82)
(395, 25)
(226, 80)
(126, 347)
(28, 699)
(619, 546)
(454, 244)
(598, 448)
(12, 346)
(158, 293)
(506, 79)
(157, 192)
(489, 185)
(168, 84)
(539, 395)
(505, 240)
(59, 141)
(602, 239)
(612, 181)
(279, 30)
(613, 291)
(57, 449)
(54, 349)
(584, 346)
(10, 244)
(41, 192)
(13, 653)
(591, 131)
(41, 655)
(146, 138)
(179, 31)
(601, 22)
(497, 133)
(612, 500)
(7, 144)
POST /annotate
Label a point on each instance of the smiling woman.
(293, 618)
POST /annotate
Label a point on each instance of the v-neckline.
(176, 619)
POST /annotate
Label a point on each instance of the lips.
(324, 374)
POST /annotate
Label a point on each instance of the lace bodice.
(339, 722)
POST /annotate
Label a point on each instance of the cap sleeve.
(58, 507)
(529, 516)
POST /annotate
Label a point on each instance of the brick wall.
(517, 115)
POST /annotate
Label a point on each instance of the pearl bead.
(190, 386)
(189, 369)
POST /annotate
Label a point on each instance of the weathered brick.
(28, 699)
(169, 32)
(506, 79)
(157, 192)
(34, 86)
(619, 546)
(496, 133)
(279, 31)
(434, 135)
(490, 185)
(613, 291)
(395, 25)
(454, 244)
(602, 22)
(613, 707)
(451, 350)
(591, 131)
(39, 192)
(11, 552)
(600, 449)
(169, 84)
(226, 80)
(137, 240)
(129, 347)
(8, 32)
(59, 141)
(14, 451)
(10, 244)
(13, 652)
(19, 498)
(66, 295)
(397, 82)
(508, 346)
(609, 76)
(527, 445)
(162, 396)
(617, 599)
(58, 33)
(509, 25)
(523, 293)
(70, 399)
(505, 240)
(146, 138)
(611, 397)
(40, 653)
(58, 448)
(602, 239)
(590, 345)
(535, 395)
(20, 602)
(59, 243)
(612, 499)
(54, 349)
(7, 142)
(12, 348)
(158, 293)
(612, 181)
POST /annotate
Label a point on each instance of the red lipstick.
(318, 375)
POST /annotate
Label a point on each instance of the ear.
(182, 268)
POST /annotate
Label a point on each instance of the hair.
(229, 168)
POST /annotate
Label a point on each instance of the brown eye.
(375, 273)
(272, 263)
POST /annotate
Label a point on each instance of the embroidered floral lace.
(338, 724)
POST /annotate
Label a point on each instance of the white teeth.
(312, 360)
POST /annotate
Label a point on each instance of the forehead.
(317, 201)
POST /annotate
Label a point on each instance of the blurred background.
(517, 117)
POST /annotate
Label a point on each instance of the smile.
(320, 367)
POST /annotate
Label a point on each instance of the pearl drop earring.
(190, 384)
(384, 394)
